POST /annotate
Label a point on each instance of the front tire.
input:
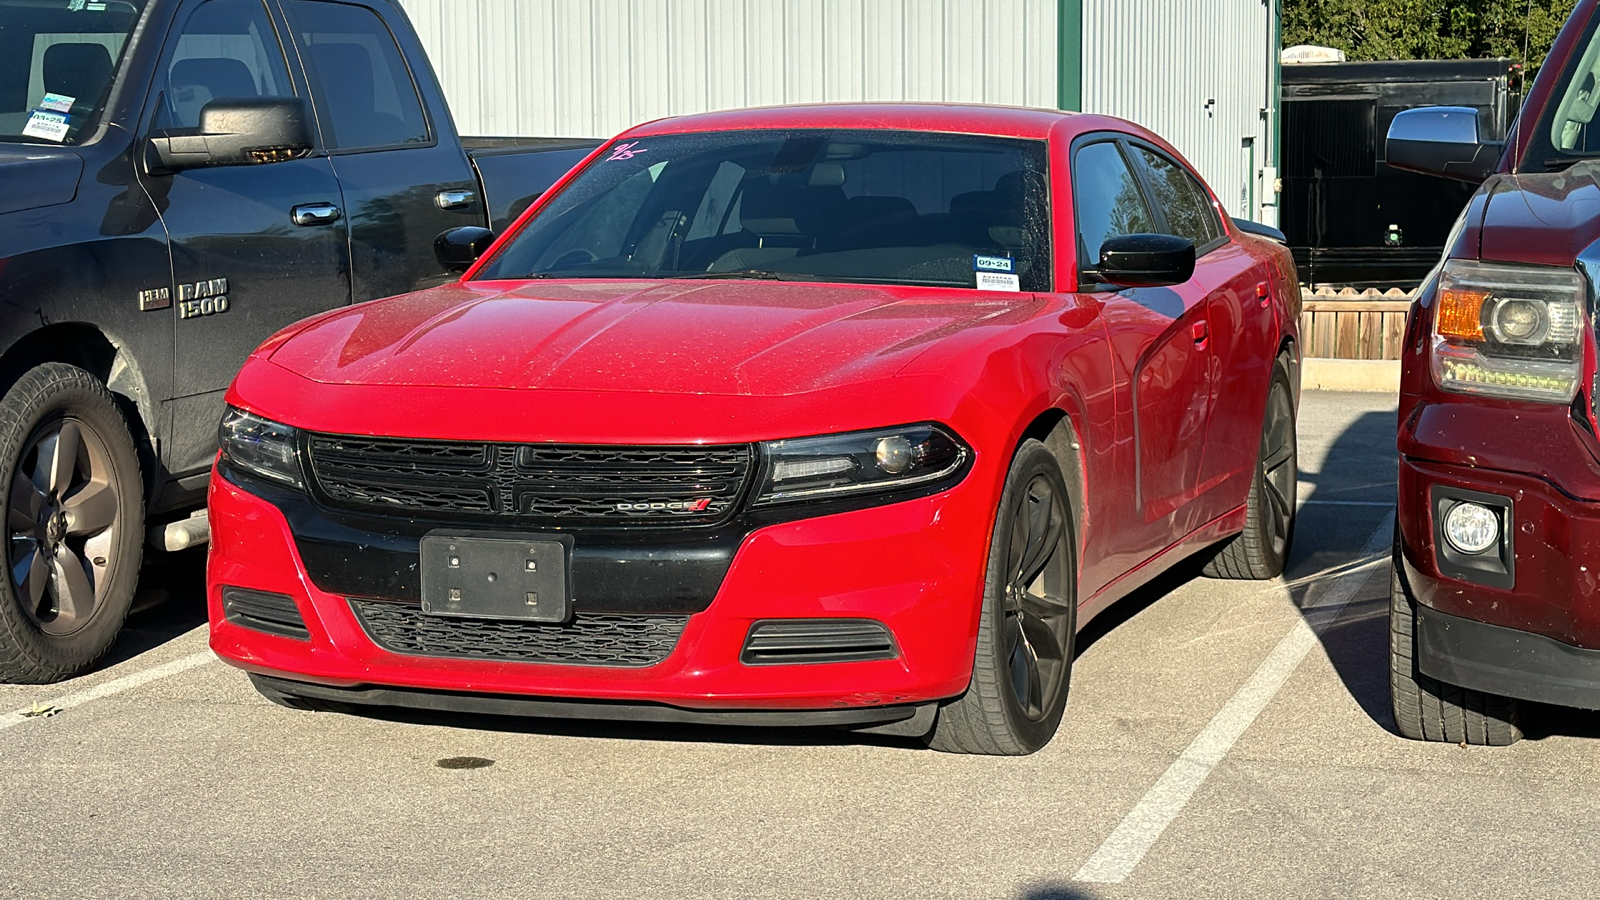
(1027, 627)
(74, 502)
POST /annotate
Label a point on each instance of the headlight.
(261, 447)
(1509, 331)
(834, 465)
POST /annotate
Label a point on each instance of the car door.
(1160, 340)
(404, 175)
(254, 247)
(1241, 332)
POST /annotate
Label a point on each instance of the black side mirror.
(1144, 260)
(1444, 141)
(458, 248)
(248, 131)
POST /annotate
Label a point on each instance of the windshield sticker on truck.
(57, 103)
(50, 126)
(625, 151)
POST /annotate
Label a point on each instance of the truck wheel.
(1260, 551)
(1027, 627)
(74, 501)
(1426, 709)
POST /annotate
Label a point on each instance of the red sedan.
(836, 415)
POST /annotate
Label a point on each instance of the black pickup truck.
(178, 180)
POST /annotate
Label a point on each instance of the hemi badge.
(157, 298)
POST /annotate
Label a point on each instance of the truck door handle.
(1201, 331)
(454, 199)
(316, 214)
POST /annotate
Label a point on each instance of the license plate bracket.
(476, 575)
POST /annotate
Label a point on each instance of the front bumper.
(916, 566)
(1505, 661)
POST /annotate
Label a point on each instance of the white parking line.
(114, 686)
(1143, 825)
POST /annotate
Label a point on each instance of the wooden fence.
(1356, 328)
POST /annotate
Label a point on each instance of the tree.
(1522, 30)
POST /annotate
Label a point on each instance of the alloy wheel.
(1038, 599)
(1279, 475)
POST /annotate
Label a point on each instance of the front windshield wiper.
(753, 274)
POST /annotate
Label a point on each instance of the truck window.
(1568, 129)
(57, 60)
(364, 94)
(227, 50)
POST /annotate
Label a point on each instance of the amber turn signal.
(1461, 314)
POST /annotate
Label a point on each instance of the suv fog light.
(1471, 527)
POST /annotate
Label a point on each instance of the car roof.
(954, 118)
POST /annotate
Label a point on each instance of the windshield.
(1568, 129)
(57, 58)
(875, 207)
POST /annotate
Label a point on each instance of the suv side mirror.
(248, 131)
(1144, 260)
(1444, 141)
(458, 248)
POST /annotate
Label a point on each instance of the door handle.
(1201, 331)
(316, 214)
(454, 199)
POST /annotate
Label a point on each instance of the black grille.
(262, 611)
(589, 640)
(555, 484)
(790, 641)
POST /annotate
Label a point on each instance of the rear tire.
(74, 501)
(1027, 626)
(1426, 709)
(1261, 550)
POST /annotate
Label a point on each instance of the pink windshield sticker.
(625, 151)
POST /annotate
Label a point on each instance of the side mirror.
(248, 131)
(1144, 260)
(1444, 141)
(458, 248)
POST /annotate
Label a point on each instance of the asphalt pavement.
(1222, 739)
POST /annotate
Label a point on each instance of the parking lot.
(1221, 740)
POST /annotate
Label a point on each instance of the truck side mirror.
(458, 248)
(235, 132)
(1144, 260)
(1444, 141)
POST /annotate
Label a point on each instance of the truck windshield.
(1568, 129)
(876, 207)
(57, 59)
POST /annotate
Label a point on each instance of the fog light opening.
(1471, 528)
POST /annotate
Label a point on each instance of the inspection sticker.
(993, 264)
(998, 281)
(51, 126)
(57, 103)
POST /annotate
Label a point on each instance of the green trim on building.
(1069, 56)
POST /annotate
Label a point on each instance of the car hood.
(721, 337)
(1545, 219)
(32, 176)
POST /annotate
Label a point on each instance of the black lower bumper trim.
(1506, 661)
(548, 708)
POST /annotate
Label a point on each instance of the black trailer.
(1350, 218)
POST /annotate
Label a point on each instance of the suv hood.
(1545, 219)
(722, 337)
(32, 176)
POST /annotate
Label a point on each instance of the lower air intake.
(262, 611)
(777, 642)
(593, 639)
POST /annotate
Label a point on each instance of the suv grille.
(589, 640)
(559, 484)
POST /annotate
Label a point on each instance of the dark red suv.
(1496, 595)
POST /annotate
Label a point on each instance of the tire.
(1261, 550)
(74, 499)
(1027, 627)
(1426, 709)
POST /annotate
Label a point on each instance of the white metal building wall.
(590, 68)
(1200, 73)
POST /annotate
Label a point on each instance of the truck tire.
(1027, 626)
(1261, 550)
(1426, 709)
(74, 499)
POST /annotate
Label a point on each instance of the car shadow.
(169, 602)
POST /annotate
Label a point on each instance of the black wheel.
(1027, 627)
(1426, 709)
(74, 505)
(1260, 551)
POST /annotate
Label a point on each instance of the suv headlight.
(1509, 331)
(860, 462)
(261, 447)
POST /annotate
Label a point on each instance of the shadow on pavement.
(170, 602)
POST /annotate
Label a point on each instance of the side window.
(1186, 204)
(227, 50)
(359, 82)
(1107, 199)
